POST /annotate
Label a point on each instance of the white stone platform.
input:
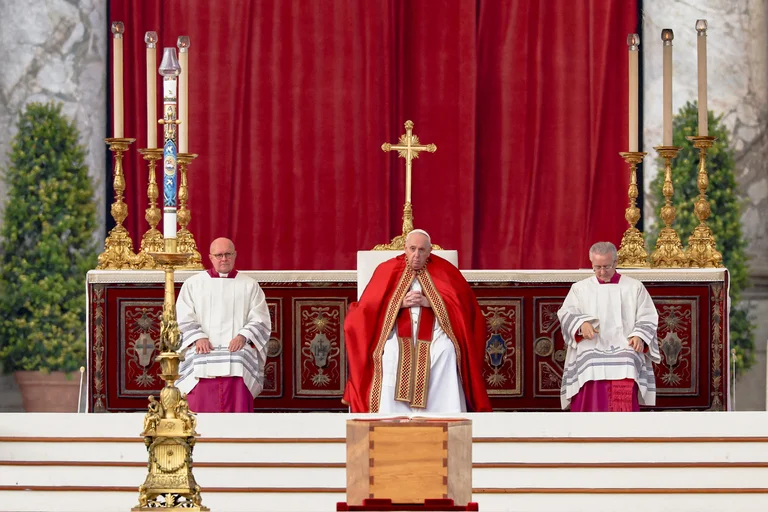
(660, 461)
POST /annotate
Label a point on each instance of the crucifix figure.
(408, 147)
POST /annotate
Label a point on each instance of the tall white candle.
(183, 45)
(633, 41)
(667, 36)
(701, 47)
(117, 79)
(151, 39)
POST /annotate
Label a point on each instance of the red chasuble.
(370, 321)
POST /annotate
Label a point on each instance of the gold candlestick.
(632, 251)
(169, 426)
(152, 241)
(669, 250)
(702, 249)
(118, 247)
(185, 238)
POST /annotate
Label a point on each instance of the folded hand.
(237, 343)
(414, 298)
(203, 346)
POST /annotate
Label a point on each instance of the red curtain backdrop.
(291, 100)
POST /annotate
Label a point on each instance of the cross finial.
(408, 147)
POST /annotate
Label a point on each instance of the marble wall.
(737, 51)
(55, 50)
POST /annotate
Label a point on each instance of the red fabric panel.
(290, 102)
(552, 116)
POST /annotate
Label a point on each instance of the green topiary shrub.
(47, 245)
(724, 220)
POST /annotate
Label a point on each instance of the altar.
(306, 365)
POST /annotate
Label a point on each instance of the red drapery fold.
(291, 100)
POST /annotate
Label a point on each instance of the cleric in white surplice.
(609, 325)
(225, 326)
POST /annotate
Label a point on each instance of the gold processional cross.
(408, 147)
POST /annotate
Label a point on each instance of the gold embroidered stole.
(390, 317)
(413, 364)
(391, 314)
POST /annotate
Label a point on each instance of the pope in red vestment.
(383, 306)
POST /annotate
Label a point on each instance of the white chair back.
(367, 261)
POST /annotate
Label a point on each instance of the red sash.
(414, 362)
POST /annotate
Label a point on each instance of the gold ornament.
(632, 252)
(118, 247)
(702, 249)
(152, 241)
(669, 250)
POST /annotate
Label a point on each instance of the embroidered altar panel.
(306, 365)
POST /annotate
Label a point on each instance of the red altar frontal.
(306, 365)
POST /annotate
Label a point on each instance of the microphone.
(80, 393)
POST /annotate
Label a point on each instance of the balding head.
(222, 254)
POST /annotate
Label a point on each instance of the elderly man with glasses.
(225, 325)
(608, 322)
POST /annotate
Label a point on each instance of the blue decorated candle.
(169, 69)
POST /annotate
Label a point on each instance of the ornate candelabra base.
(669, 249)
(702, 249)
(151, 242)
(169, 426)
(118, 247)
(632, 251)
(118, 251)
(169, 435)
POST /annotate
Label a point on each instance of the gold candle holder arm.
(152, 240)
(186, 240)
(118, 247)
(702, 249)
(632, 252)
(669, 250)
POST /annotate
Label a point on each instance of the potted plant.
(46, 247)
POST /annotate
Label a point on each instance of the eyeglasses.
(603, 267)
(223, 255)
